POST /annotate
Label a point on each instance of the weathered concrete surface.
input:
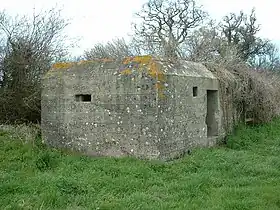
(141, 106)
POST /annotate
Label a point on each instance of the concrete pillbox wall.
(156, 111)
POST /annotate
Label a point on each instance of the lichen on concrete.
(140, 106)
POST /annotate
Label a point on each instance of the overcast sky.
(102, 20)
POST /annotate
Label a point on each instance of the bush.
(25, 133)
(28, 47)
(246, 93)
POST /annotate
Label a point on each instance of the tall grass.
(243, 174)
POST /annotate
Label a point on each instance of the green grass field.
(244, 174)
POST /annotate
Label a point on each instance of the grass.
(244, 174)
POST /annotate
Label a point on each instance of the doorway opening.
(212, 107)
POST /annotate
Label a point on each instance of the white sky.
(102, 20)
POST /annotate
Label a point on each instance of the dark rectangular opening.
(194, 91)
(83, 97)
(212, 107)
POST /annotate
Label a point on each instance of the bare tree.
(166, 24)
(29, 45)
(203, 43)
(241, 30)
(117, 48)
(235, 37)
(269, 60)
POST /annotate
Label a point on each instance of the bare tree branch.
(166, 24)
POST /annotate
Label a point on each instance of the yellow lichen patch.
(155, 72)
(126, 72)
(85, 62)
(159, 86)
(66, 65)
(95, 61)
(63, 65)
(161, 95)
(152, 67)
(139, 59)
